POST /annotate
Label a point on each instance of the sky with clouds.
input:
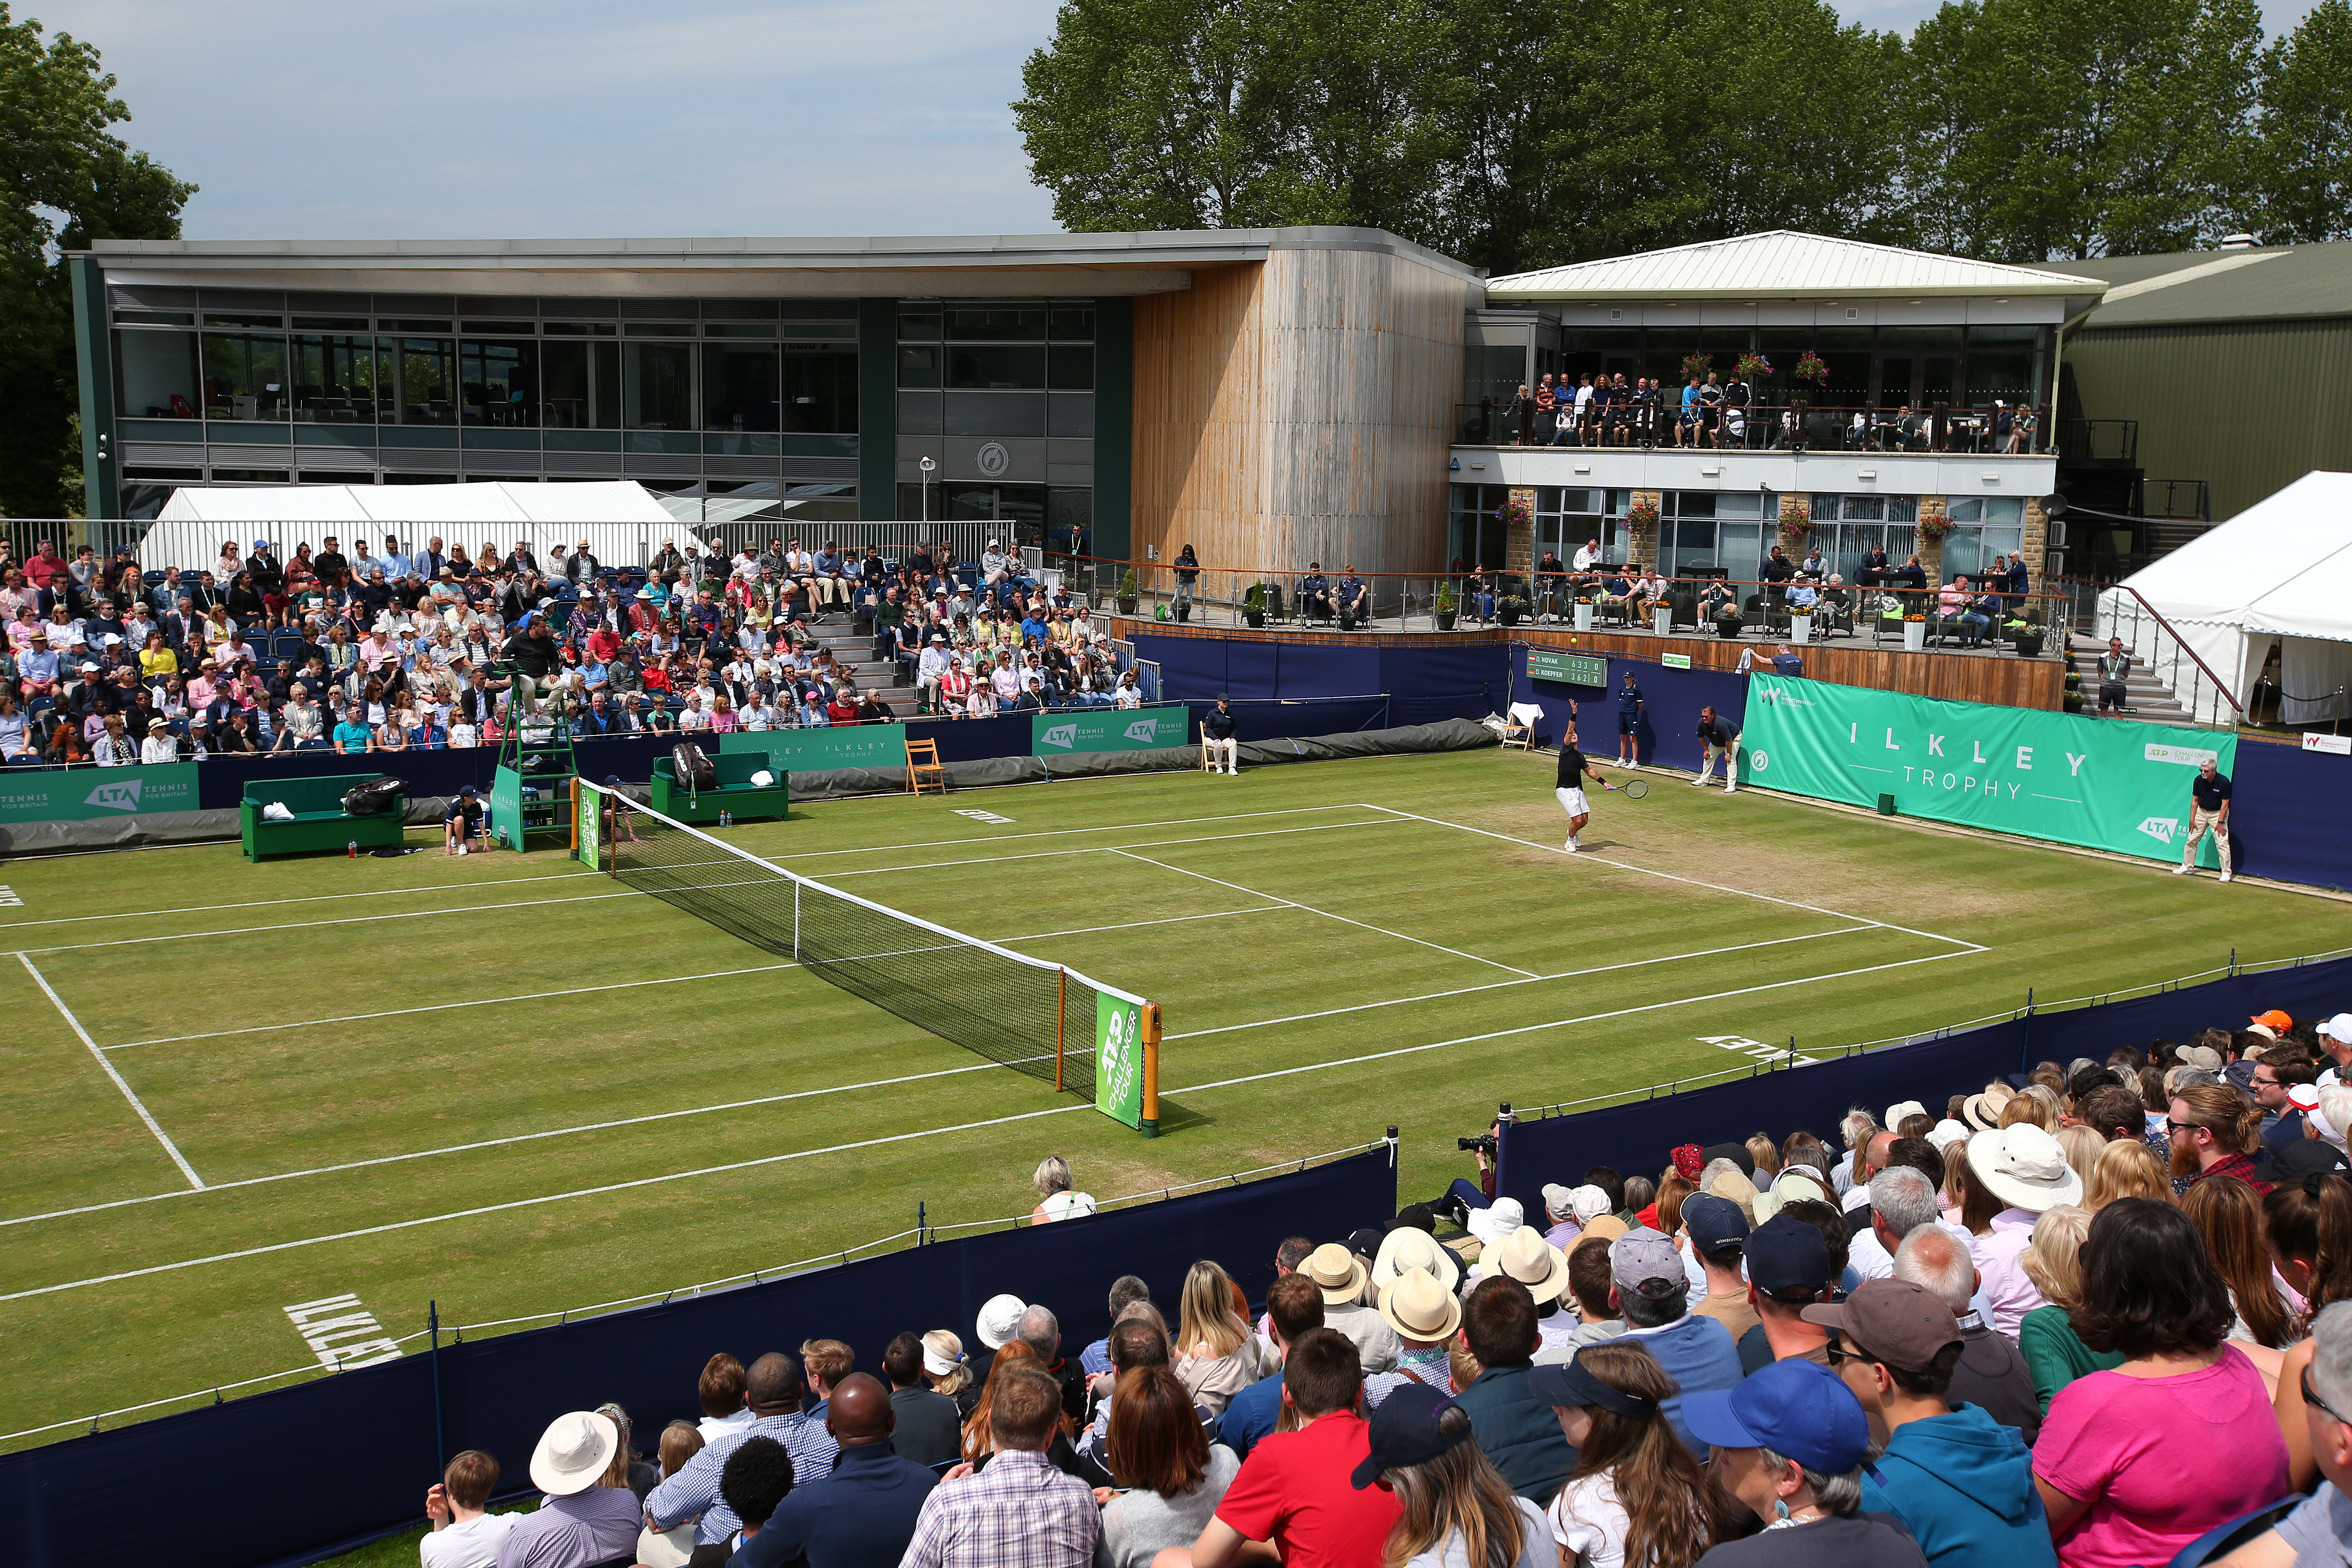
(527, 119)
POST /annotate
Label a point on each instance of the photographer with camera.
(1468, 1202)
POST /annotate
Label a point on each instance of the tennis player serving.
(1573, 766)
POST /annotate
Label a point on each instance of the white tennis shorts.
(1572, 801)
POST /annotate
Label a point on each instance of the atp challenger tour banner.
(1118, 1059)
(2104, 783)
(1109, 730)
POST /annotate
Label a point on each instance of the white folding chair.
(1519, 729)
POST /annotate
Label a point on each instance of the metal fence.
(1793, 425)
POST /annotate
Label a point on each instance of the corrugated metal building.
(2236, 364)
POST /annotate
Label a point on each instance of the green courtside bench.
(735, 792)
(320, 821)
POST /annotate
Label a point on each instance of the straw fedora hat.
(1796, 1181)
(573, 1453)
(1337, 1272)
(1405, 1248)
(2025, 1168)
(1419, 1307)
(1982, 1112)
(1527, 1258)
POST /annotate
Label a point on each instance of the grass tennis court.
(512, 1084)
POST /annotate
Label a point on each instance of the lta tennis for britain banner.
(2105, 783)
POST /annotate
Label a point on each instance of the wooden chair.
(923, 767)
(1519, 730)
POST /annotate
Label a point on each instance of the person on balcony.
(1314, 594)
(1355, 598)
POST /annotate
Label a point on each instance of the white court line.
(909, 1137)
(7, 926)
(339, 920)
(533, 1202)
(627, 984)
(1054, 832)
(1506, 984)
(154, 1126)
(1104, 849)
(1689, 881)
(1327, 914)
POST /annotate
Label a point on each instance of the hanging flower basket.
(1796, 524)
(1698, 366)
(1935, 529)
(1514, 513)
(1755, 368)
(1642, 515)
(1811, 367)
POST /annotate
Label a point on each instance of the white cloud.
(433, 117)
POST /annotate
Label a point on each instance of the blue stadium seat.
(286, 645)
(152, 579)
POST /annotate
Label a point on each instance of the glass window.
(1934, 340)
(502, 329)
(339, 379)
(1862, 508)
(245, 376)
(919, 413)
(331, 323)
(1491, 371)
(581, 329)
(1689, 503)
(738, 388)
(2004, 362)
(657, 386)
(1691, 549)
(1001, 368)
(1071, 320)
(1070, 369)
(427, 379)
(739, 310)
(251, 476)
(1731, 504)
(1072, 415)
(740, 330)
(582, 383)
(1066, 508)
(413, 325)
(996, 324)
(657, 329)
(500, 381)
(995, 414)
(820, 393)
(919, 366)
(242, 319)
(160, 318)
(918, 323)
(155, 376)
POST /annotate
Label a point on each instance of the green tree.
(2303, 154)
(2050, 129)
(69, 181)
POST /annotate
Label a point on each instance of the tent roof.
(2282, 565)
(1785, 264)
(560, 503)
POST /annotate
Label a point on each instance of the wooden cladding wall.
(2000, 679)
(1299, 409)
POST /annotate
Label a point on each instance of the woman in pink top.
(2009, 1178)
(2135, 1463)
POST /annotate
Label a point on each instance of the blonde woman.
(2127, 1169)
(2083, 1145)
(680, 1441)
(1055, 1199)
(2053, 1353)
(2036, 1105)
(1216, 1352)
(946, 1369)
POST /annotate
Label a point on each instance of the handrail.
(1794, 424)
(2178, 642)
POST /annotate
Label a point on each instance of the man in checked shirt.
(1019, 1511)
(772, 1389)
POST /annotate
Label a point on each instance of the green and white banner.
(1109, 730)
(88, 793)
(2104, 783)
(591, 805)
(1118, 1059)
(821, 750)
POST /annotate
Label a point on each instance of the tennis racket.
(1633, 789)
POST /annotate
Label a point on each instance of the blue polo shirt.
(350, 737)
(1250, 1415)
(861, 1516)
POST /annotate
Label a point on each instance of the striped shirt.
(693, 1491)
(1019, 1512)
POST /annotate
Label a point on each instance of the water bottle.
(351, 850)
(726, 817)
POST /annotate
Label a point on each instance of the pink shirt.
(2000, 1256)
(2161, 1460)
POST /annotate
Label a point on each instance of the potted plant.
(1915, 632)
(1128, 594)
(1584, 611)
(1796, 524)
(1728, 624)
(1514, 513)
(2025, 637)
(1933, 527)
(1754, 369)
(1641, 515)
(1811, 367)
(1443, 606)
(1697, 367)
(1254, 605)
(1511, 608)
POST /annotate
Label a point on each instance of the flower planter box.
(1584, 614)
(1662, 621)
(1915, 635)
(1800, 626)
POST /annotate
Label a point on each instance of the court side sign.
(90, 793)
(2107, 783)
(1108, 730)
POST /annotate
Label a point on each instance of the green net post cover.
(1119, 1060)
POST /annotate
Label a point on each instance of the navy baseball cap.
(468, 792)
(1787, 1259)
(1799, 1409)
(1404, 1432)
(1572, 1386)
(1714, 1222)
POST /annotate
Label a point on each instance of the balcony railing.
(1795, 425)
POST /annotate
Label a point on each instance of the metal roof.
(1783, 264)
(2282, 282)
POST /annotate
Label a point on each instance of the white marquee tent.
(2278, 575)
(623, 521)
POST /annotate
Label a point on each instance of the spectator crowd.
(420, 650)
(2101, 1317)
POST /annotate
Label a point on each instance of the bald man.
(863, 1514)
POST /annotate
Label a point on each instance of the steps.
(853, 650)
(2147, 699)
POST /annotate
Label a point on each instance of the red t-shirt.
(1294, 1490)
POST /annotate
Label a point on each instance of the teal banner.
(1118, 1059)
(817, 750)
(84, 795)
(1109, 730)
(2104, 784)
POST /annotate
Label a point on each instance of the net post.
(1061, 1021)
(1150, 1119)
(796, 922)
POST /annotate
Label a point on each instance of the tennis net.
(1024, 1013)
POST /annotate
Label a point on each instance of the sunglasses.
(2320, 1404)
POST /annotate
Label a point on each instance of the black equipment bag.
(374, 796)
(694, 770)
